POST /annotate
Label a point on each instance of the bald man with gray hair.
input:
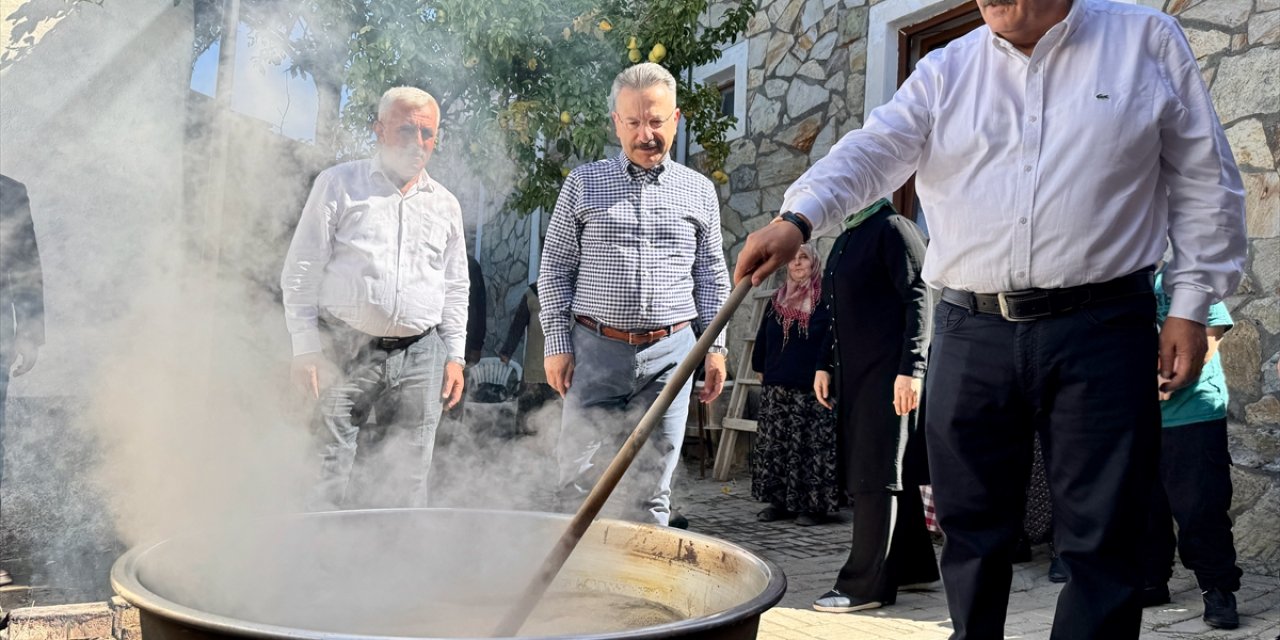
(375, 297)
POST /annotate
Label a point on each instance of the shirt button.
(1027, 169)
(1022, 220)
(1033, 118)
(1022, 274)
(1035, 68)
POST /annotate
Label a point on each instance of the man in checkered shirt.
(632, 265)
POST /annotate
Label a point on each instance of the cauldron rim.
(125, 582)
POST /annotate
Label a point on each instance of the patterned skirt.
(793, 464)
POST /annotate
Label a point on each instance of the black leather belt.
(1033, 304)
(395, 344)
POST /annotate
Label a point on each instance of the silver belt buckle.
(1023, 296)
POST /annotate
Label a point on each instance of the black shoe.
(809, 519)
(1057, 570)
(1154, 596)
(1220, 609)
(678, 521)
(774, 514)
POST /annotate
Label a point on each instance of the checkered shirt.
(634, 249)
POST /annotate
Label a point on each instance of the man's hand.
(1163, 395)
(1183, 344)
(306, 371)
(26, 358)
(822, 388)
(767, 249)
(906, 394)
(559, 372)
(713, 381)
(504, 357)
(451, 390)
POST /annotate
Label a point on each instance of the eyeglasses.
(634, 125)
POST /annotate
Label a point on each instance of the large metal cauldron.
(396, 573)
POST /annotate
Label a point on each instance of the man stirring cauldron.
(632, 263)
(375, 297)
(1058, 150)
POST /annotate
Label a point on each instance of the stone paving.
(811, 556)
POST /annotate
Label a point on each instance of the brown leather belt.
(633, 338)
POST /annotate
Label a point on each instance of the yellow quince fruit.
(720, 177)
(635, 56)
(564, 172)
(657, 53)
(605, 26)
(632, 44)
(565, 118)
(532, 64)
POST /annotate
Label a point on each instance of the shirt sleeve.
(710, 275)
(1206, 195)
(868, 163)
(902, 253)
(457, 291)
(305, 263)
(558, 270)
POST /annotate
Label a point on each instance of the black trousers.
(1194, 490)
(891, 546)
(1086, 381)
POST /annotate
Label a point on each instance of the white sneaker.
(834, 601)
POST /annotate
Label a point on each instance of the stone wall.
(1237, 43)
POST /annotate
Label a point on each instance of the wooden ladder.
(744, 380)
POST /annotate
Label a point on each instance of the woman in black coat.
(879, 307)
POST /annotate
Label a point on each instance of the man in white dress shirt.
(1058, 150)
(375, 297)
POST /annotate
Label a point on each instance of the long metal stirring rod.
(590, 508)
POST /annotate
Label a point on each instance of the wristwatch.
(718, 350)
(806, 229)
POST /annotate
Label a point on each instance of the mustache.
(998, 3)
(652, 145)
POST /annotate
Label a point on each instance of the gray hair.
(640, 77)
(411, 97)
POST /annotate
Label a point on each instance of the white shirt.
(1066, 167)
(389, 265)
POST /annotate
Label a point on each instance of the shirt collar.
(636, 172)
(1057, 33)
(423, 183)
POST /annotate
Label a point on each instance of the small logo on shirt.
(1103, 96)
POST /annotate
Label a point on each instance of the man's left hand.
(452, 391)
(713, 382)
(1182, 348)
(26, 358)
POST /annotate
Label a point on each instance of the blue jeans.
(614, 384)
(402, 388)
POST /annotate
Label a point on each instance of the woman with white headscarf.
(794, 459)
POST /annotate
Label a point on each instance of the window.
(729, 76)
